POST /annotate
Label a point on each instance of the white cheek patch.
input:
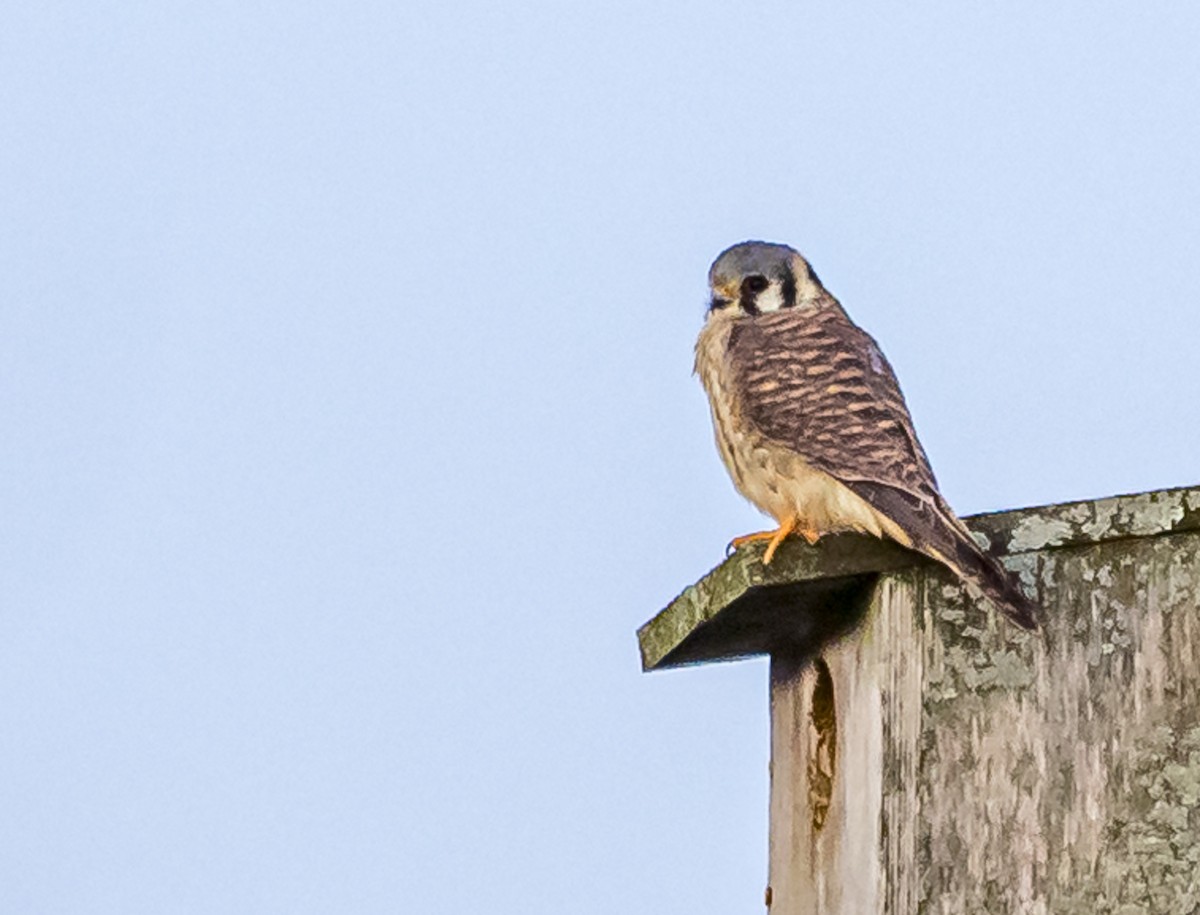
(770, 299)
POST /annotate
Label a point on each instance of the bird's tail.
(997, 585)
(985, 573)
(928, 525)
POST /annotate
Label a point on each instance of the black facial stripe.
(717, 303)
(751, 287)
(789, 289)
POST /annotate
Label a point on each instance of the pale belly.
(777, 479)
(783, 485)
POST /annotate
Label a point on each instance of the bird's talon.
(738, 542)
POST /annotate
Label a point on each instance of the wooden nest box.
(928, 757)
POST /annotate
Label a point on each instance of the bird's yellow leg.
(738, 542)
(786, 527)
(776, 537)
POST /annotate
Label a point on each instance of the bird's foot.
(775, 537)
(738, 542)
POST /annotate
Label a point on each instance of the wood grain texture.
(835, 863)
(705, 622)
(1061, 773)
(1046, 773)
(971, 766)
(743, 608)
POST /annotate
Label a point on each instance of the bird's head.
(757, 277)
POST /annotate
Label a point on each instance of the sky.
(350, 430)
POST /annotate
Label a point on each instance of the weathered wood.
(934, 759)
(743, 608)
(840, 724)
(1059, 772)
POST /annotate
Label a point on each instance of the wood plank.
(742, 608)
(979, 768)
(840, 725)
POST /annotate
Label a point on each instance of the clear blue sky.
(349, 428)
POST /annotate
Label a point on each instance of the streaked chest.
(775, 478)
(743, 451)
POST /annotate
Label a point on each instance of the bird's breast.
(773, 475)
(760, 469)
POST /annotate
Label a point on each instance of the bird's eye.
(755, 284)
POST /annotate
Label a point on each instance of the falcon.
(811, 424)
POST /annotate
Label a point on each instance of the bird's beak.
(723, 295)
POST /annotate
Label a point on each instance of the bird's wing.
(819, 385)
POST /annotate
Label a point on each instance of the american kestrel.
(811, 424)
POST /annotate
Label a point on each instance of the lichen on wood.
(980, 768)
(680, 633)
(1060, 771)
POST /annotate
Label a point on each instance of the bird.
(812, 426)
